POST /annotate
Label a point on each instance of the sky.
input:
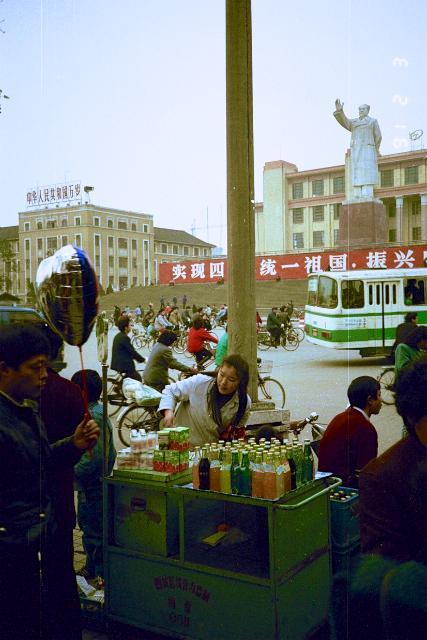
(129, 96)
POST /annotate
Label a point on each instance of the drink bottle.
(299, 462)
(214, 471)
(270, 490)
(280, 478)
(287, 476)
(258, 477)
(308, 462)
(204, 470)
(235, 471)
(195, 468)
(292, 465)
(224, 473)
(245, 475)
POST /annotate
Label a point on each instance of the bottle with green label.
(235, 471)
(245, 475)
(308, 464)
(292, 465)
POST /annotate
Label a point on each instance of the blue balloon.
(68, 293)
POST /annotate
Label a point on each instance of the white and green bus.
(361, 309)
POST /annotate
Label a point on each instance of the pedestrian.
(410, 349)
(402, 331)
(184, 301)
(162, 302)
(222, 348)
(27, 517)
(350, 440)
(89, 472)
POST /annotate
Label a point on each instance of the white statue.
(365, 144)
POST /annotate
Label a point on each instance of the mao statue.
(365, 144)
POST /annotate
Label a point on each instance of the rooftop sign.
(54, 194)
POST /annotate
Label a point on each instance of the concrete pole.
(240, 187)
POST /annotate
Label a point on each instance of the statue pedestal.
(363, 222)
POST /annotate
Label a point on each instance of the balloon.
(67, 291)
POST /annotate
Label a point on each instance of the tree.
(8, 257)
(31, 294)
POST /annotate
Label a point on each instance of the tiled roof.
(9, 233)
(175, 235)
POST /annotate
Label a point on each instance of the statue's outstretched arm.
(340, 116)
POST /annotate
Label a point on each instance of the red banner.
(297, 265)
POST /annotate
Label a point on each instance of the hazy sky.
(129, 95)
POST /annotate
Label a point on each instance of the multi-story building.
(171, 245)
(120, 243)
(301, 209)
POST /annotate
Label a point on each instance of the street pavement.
(315, 379)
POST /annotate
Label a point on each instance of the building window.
(391, 208)
(145, 228)
(387, 178)
(205, 252)
(97, 240)
(27, 245)
(110, 242)
(39, 225)
(96, 222)
(196, 251)
(298, 240)
(97, 262)
(123, 263)
(317, 187)
(411, 175)
(175, 249)
(186, 251)
(39, 244)
(27, 264)
(52, 244)
(416, 233)
(109, 223)
(26, 226)
(337, 210)
(111, 261)
(164, 248)
(298, 216)
(78, 240)
(415, 207)
(336, 237)
(297, 190)
(64, 240)
(134, 263)
(392, 235)
(77, 221)
(122, 224)
(64, 222)
(51, 224)
(318, 239)
(123, 243)
(133, 244)
(338, 184)
(133, 226)
(318, 213)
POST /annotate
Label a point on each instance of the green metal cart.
(269, 577)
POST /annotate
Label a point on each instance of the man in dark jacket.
(123, 354)
(350, 440)
(27, 519)
(274, 326)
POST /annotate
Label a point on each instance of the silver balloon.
(67, 291)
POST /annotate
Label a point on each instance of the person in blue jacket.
(88, 474)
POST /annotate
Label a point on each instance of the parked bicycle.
(387, 379)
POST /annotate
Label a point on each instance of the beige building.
(301, 209)
(124, 246)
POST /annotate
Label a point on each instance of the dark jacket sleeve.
(131, 351)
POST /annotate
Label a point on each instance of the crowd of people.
(52, 444)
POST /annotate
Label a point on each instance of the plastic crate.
(266, 366)
(345, 528)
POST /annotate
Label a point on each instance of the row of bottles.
(261, 471)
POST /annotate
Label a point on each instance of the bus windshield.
(352, 294)
(312, 291)
(327, 293)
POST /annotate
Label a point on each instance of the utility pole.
(240, 187)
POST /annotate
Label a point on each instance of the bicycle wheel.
(180, 345)
(289, 340)
(263, 341)
(299, 333)
(114, 395)
(386, 381)
(137, 342)
(271, 389)
(136, 417)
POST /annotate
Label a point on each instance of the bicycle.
(290, 339)
(387, 379)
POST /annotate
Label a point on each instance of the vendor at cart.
(215, 406)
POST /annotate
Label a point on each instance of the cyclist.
(222, 348)
(161, 323)
(123, 353)
(161, 360)
(274, 327)
(197, 336)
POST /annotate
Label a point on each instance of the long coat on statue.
(365, 140)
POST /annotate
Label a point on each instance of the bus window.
(352, 294)
(327, 295)
(394, 294)
(371, 297)
(312, 291)
(414, 291)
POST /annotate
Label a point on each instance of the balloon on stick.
(68, 292)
